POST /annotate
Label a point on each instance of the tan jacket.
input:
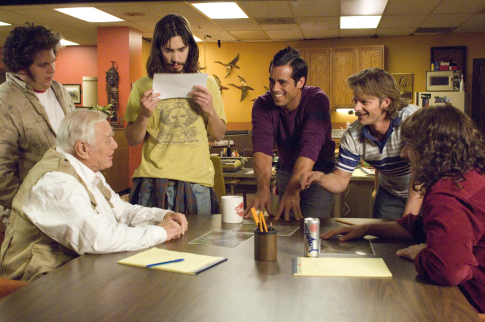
(25, 132)
(27, 253)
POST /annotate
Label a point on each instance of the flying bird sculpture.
(218, 81)
(265, 88)
(230, 66)
(244, 87)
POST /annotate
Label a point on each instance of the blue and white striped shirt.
(357, 144)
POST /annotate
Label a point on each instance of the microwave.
(443, 80)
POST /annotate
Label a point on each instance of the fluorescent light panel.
(362, 7)
(4, 24)
(197, 39)
(344, 110)
(221, 10)
(89, 14)
(65, 42)
(359, 22)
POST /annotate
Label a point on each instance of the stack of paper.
(330, 266)
(192, 263)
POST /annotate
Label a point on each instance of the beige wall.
(406, 54)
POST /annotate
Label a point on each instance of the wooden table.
(96, 288)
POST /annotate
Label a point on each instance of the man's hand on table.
(290, 202)
(175, 224)
(261, 201)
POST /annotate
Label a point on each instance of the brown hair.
(168, 27)
(23, 42)
(379, 83)
(448, 143)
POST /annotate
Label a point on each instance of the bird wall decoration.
(265, 88)
(244, 87)
(218, 81)
(230, 66)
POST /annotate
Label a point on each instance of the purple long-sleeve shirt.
(305, 132)
(453, 227)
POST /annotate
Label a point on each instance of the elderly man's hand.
(180, 219)
(173, 229)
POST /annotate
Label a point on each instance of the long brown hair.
(168, 27)
(447, 142)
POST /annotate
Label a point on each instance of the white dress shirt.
(52, 107)
(60, 207)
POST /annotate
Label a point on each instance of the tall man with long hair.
(447, 154)
(175, 172)
(32, 105)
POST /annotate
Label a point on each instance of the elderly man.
(64, 208)
(32, 105)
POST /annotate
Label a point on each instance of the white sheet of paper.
(177, 85)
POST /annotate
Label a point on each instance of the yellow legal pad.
(331, 266)
(192, 263)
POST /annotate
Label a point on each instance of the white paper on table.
(177, 85)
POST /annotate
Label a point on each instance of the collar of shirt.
(366, 134)
(90, 177)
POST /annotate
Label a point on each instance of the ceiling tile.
(407, 7)
(445, 20)
(312, 8)
(310, 33)
(250, 35)
(399, 22)
(238, 24)
(357, 32)
(266, 9)
(319, 22)
(285, 35)
(394, 31)
(476, 20)
(452, 7)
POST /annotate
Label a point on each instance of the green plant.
(105, 109)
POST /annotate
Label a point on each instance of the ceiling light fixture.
(4, 24)
(89, 14)
(220, 10)
(359, 22)
(65, 42)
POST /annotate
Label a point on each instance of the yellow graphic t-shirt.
(176, 146)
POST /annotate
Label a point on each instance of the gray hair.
(78, 126)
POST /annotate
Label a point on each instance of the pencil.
(345, 222)
(261, 214)
(256, 220)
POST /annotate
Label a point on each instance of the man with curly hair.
(375, 137)
(175, 171)
(32, 105)
(447, 153)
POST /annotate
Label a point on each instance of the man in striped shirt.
(375, 138)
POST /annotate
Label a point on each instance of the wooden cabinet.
(118, 175)
(356, 201)
(318, 68)
(329, 68)
(343, 65)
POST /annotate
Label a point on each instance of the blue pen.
(168, 262)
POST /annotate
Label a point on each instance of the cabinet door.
(319, 69)
(343, 65)
(372, 56)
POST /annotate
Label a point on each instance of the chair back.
(219, 185)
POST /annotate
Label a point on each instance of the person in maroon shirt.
(296, 119)
(447, 155)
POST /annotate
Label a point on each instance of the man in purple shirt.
(296, 119)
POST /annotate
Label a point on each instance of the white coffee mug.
(232, 209)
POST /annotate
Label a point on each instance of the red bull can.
(311, 232)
